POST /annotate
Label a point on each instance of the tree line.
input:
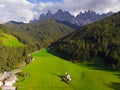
(11, 57)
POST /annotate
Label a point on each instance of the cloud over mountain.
(24, 10)
(75, 6)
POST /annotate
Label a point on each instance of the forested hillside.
(101, 38)
(12, 52)
(38, 35)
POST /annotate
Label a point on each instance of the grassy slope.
(9, 40)
(46, 71)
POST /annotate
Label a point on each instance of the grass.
(47, 70)
(1, 31)
(9, 40)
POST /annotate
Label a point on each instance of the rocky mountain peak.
(82, 18)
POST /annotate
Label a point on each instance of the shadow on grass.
(54, 52)
(63, 79)
(117, 75)
(96, 63)
(98, 67)
(103, 67)
(114, 85)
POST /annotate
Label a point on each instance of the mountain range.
(75, 22)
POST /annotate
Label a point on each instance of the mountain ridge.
(47, 31)
(83, 18)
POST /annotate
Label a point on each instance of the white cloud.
(44, 7)
(17, 10)
(76, 6)
(2, 5)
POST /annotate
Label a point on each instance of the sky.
(34, 1)
(26, 10)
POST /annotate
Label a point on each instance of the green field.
(47, 70)
(9, 40)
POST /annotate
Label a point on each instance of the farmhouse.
(8, 88)
(10, 81)
(4, 76)
(1, 83)
(7, 79)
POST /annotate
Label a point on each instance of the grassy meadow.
(46, 73)
(9, 40)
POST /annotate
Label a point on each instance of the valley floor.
(46, 73)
